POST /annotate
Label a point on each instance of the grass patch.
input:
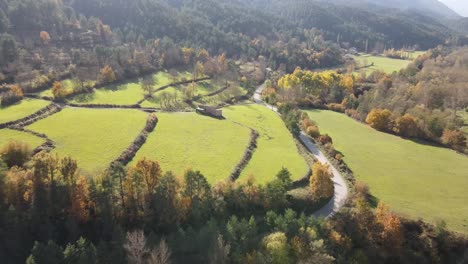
(21, 109)
(7, 135)
(414, 179)
(120, 94)
(187, 140)
(276, 147)
(94, 137)
(382, 63)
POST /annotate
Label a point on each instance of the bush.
(16, 153)
(313, 131)
(325, 139)
(454, 138)
(336, 107)
(380, 119)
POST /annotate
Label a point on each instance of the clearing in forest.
(184, 141)
(21, 109)
(276, 147)
(95, 137)
(385, 64)
(414, 179)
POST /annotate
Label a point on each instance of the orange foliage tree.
(407, 126)
(58, 91)
(45, 37)
(107, 75)
(392, 232)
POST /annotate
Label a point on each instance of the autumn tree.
(151, 173)
(454, 138)
(407, 126)
(321, 184)
(380, 119)
(15, 153)
(392, 232)
(107, 75)
(58, 91)
(277, 247)
(45, 37)
(199, 70)
(17, 91)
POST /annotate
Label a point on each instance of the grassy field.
(93, 137)
(120, 94)
(188, 140)
(7, 135)
(128, 93)
(382, 63)
(276, 147)
(20, 110)
(414, 179)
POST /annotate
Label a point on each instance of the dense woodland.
(51, 214)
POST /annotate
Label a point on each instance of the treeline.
(50, 213)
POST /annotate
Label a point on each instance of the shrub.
(336, 107)
(16, 153)
(325, 139)
(313, 131)
(12, 96)
(380, 119)
(454, 138)
(407, 126)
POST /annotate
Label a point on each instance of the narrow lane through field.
(341, 188)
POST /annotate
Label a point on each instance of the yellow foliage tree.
(321, 184)
(151, 173)
(58, 91)
(392, 232)
(17, 91)
(107, 75)
(380, 119)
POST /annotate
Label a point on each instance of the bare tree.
(136, 247)
(161, 254)
(220, 252)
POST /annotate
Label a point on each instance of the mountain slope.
(425, 7)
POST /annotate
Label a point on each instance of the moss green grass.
(95, 137)
(21, 109)
(414, 179)
(184, 141)
(276, 147)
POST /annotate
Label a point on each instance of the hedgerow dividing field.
(184, 141)
(21, 109)
(276, 147)
(95, 137)
(414, 179)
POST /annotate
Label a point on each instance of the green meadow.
(184, 141)
(276, 147)
(417, 180)
(21, 109)
(382, 63)
(95, 137)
